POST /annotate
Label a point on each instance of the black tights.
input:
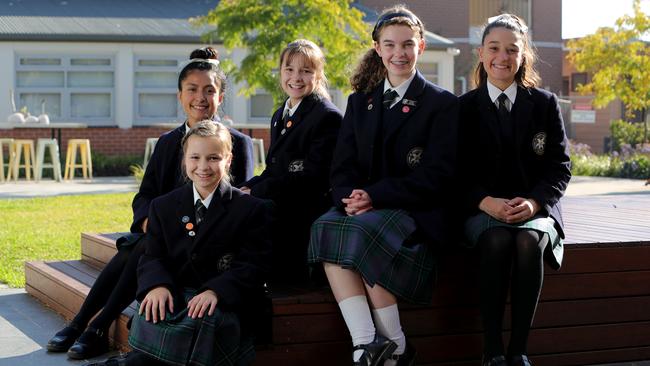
(505, 251)
(113, 290)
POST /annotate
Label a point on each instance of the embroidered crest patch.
(539, 143)
(296, 166)
(413, 157)
(224, 262)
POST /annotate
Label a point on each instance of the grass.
(49, 228)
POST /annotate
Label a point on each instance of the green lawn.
(49, 228)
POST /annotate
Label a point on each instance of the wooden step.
(98, 249)
(63, 286)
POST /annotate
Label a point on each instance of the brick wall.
(110, 140)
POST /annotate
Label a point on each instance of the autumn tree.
(619, 61)
(264, 27)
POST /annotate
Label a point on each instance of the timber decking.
(596, 309)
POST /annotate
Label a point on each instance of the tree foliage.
(618, 60)
(265, 27)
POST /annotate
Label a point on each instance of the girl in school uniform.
(296, 177)
(201, 85)
(392, 169)
(515, 167)
(201, 277)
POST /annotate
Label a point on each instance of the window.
(70, 88)
(578, 78)
(429, 70)
(156, 87)
(261, 106)
(566, 83)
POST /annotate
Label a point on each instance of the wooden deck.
(596, 309)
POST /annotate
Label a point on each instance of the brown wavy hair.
(371, 71)
(526, 76)
(314, 57)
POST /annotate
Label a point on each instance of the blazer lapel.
(221, 197)
(408, 105)
(276, 126)
(522, 115)
(296, 122)
(185, 211)
(369, 122)
(487, 112)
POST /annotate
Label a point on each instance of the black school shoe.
(91, 343)
(408, 357)
(519, 360)
(494, 361)
(376, 352)
(64, 338)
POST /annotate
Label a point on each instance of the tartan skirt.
(477, 224)
(181, 340)
(379, 245)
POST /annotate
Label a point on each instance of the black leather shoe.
(91, 343)
(376, 352)
(519, 360)
(407, 358)
(494, 361)
(63, 339)
(111, 361)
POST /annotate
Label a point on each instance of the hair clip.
(390, 16)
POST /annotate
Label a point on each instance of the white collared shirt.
(510, 92)
(400, 89)
(207, 200)
(291, 110)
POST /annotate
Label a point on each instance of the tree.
(619, 62)
(265, 27)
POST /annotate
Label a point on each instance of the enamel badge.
(296, 166)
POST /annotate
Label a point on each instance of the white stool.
(71, 159)
(3, 142)
(18, 147)
(258, 152)
(55, 165)
(148, 150)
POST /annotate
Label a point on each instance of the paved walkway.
(26, 325)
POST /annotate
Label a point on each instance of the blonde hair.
(371, 70)
(209, 128)
(313, 57)
(526, 76)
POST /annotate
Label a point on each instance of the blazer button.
(194, 256)
(273, 160)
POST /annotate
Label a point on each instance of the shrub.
(114, 165)
(626, 133)
(138, 172)
(629, 163)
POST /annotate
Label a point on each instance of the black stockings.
(113, 290)
(505, 251)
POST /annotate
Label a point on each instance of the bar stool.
(148, 150)
(18, 147)
(258, 152)
(3, 142)
(55, 165)
(83, 145)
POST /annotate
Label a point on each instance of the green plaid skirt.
(379, 245)
(477, 224)
(181, 340)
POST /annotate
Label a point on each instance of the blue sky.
(582, 17)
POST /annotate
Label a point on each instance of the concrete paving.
(49, 187)
(26, 325)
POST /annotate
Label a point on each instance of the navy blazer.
(163, 172)
(416, 166)
(229, 252)
(542, 160)
(298, 162)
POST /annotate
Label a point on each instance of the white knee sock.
(356, 314)
(388, 325)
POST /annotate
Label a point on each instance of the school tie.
(200, 211)
(504, 117)
(389, 97)
(285, 119)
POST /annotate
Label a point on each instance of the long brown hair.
(313, 57)
(526, 76)
(371, 71)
